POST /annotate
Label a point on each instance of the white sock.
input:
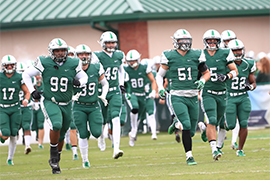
(152, 123)
(67, 137)
(27, 139)
(213, 145)
(134, 125)
(116, 133)
(221, 136)
(235, 132)
(83, 144)
(101, 136)
(189, 154)
(12, 146)
(74, 150)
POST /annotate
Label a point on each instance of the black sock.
(54, 151)
(187, 141)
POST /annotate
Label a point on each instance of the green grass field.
(148, 159)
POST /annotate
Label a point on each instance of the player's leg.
(40, 124)
(150, 116)
(115, 108)
(221, 134)
(244, 110)
(235, 133)
(134, 111)
(27, 115)
(80, 120)
(101, 139)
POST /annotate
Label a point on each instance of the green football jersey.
(236, 85)
(10, 88)
(217, 64)
(137, 78)
(183, 69)
(111, 65)
(90, 90)
(58, 79)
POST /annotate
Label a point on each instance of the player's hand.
(200, 84)
(249, 87)
(128, 96)
(76, 96)
(25, 102)
(122, 88)
(152, 95)
(104, 100)
(162, 93)
(76, 83)
(222, 77)
(36, 94)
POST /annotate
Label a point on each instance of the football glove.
(76, 83)
(76, 96)
(36, 94)
(222, 77)
(122, 88)
(128, 96)
(249, 87)
(162, 93)
(152, 95)
(104, 100)
(200, 84)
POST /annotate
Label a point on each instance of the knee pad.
(135, 111)
(40, 126)
(57, 126)
(5, 132)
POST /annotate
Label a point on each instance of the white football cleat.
(154, 137)
(27, 150)
(118, 154)
(131, 140)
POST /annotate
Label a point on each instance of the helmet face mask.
(84, 53)
(58, 50)
(133, 58)
(238, 49)
(108, 41)
(209, 38)
(182, 40)
(9, 64)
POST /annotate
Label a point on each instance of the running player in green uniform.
(238, 105)
(214, 98)
(10, 114)
(184, 64)
(60, 73)
(87, 107)
(112, 61)
(138, 74)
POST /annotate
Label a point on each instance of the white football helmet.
(182, 40)
(157, 59)
(261, 55)
(58, 43)
(82, 48)
(133, 55)
(6, 60)
(211, 34)
(21, 67)
(227, 35)
(236, 44)
(108, 36)
(71, 51)
(250, 54)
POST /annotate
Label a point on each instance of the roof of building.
(21, 14)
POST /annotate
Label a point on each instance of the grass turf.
(148, 159)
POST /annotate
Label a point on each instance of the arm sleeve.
(159, 78)
(121, 75)
(105, 87)
(101, 69)
(27, 74)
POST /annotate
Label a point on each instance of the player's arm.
(121, 75)
(252, 82)
(103, 81)
(153, 83)
(27, 74)
(203, 69)
(26, 95)
(159, 79)
(165, 83)
(233, 70)
(81, 76)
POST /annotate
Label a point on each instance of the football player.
(138, 74)
(112, 61)
(86, 108)
(10, 114)
(60, 73)
(214, 92)
(183, 64)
